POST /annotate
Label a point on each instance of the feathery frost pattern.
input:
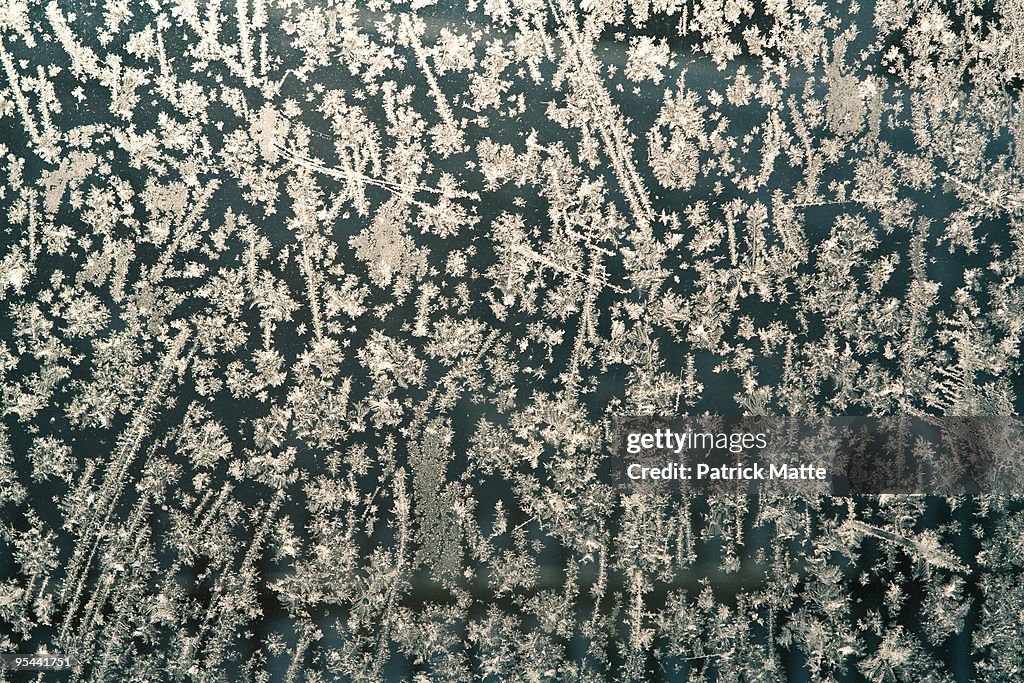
(314, 316)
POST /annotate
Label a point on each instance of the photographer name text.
(708, 472)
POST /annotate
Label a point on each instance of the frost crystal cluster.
(314, 315)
